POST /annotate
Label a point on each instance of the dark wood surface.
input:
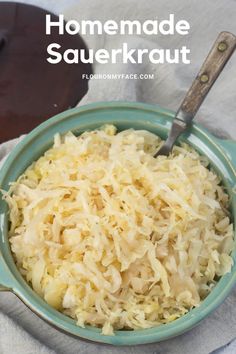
(31, 89)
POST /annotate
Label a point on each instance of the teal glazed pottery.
(222, 156)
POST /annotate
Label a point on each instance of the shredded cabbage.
(115, 238)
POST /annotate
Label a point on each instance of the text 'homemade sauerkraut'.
(115, 238)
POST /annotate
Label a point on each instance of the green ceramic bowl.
(221, 153)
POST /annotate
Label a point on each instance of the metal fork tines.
(177, 128)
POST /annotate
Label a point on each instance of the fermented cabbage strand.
(115, 238)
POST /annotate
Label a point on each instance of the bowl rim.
(122, 337)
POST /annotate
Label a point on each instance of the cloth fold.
(22, 332)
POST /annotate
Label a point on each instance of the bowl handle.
(5, 276)
(229, 147)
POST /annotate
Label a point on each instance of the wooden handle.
(219, 54)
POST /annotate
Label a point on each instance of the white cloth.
(23, 332)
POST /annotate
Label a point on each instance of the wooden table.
(31, 89)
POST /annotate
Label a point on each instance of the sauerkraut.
(116, 238)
